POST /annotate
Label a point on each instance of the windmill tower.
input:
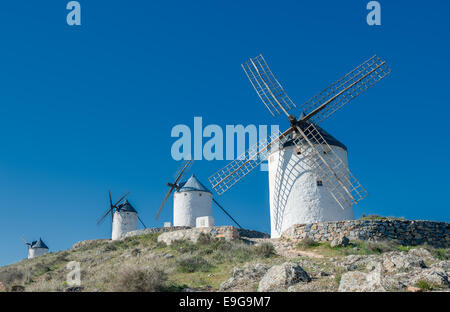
(36, 248)
(191, 200)
(309, 179)
(125, 218)
(297, 195)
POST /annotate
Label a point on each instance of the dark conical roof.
(126, 206)
(192, 184)
(38, 244)
(331, 140)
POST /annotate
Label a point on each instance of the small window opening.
(319, 183)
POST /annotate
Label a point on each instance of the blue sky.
(90, 108)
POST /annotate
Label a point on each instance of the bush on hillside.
(132, 279)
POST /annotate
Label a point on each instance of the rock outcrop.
(245, 278)
(279, 277)
(401, 261)
(340, 241)
(356, 281)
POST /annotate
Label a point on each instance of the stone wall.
(155, 230)
(405, 232)
(226, 232)
(192, 233)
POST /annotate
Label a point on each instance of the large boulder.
(420, 252)
(17, 288)
(355, 262)
(435, 277)
(445, 265)
(280, 277)
(3, 287)
(245, 278)
(356, 281)
(401, 261)
(340, 241)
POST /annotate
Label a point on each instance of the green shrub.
(405, 248)
(424, 285)
(233, 252)
(307, 243)
(379, 247)
(151, 238)
(373, 217)
(183, 246)
(110, 247)
(205, 239)
(135, 252)
(11, 276)
(441, 253)
(140, 280)
(193, 263)
(337, 278)
(377, 217)
(161, 245)
(265, 250)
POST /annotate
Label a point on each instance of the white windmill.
(36, 248)
(124, 217)
(192, 201)
(309, 179)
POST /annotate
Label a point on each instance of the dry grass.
(135, 279)
(106, 265)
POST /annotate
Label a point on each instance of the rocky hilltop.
(228, 259)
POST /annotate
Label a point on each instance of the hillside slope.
(141, 263)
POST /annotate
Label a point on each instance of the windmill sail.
(226, 212)
(112, 207)
(330, 169)
(164, 201)
(316, 151)
(225, 178)
(142, 222)
(185, 166)
(267, 86)
(345, 89)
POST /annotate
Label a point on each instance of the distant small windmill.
(35, 248)
(124, 216)
(295, 178)
(191, 199)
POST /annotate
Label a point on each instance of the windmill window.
(319, 183)
(200, 194)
